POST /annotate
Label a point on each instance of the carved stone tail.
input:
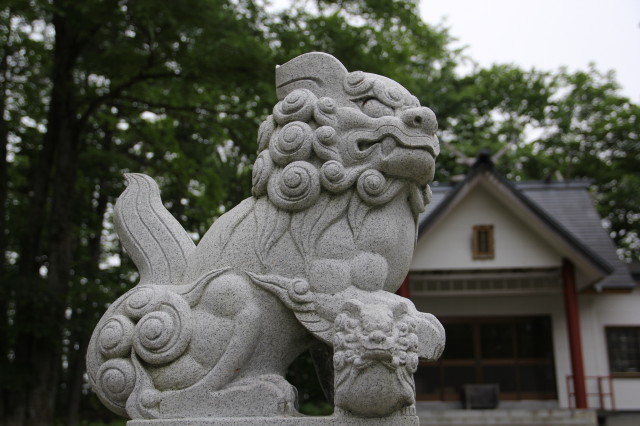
(153, 238)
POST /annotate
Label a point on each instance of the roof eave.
(593, 268)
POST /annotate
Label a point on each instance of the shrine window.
(482, 243)
(623, 345)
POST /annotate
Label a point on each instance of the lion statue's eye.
(376, 109)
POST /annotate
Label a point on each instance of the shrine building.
(539, 311)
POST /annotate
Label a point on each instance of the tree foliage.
(177, 89)
(551, 125)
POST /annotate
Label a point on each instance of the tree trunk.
(4, 290)
(77, 370)
(76, 381)
(40, 314)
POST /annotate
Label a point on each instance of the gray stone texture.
(507, 417)
(281, 421)
(314, 255)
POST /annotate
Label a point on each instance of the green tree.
(549, 125)
(592, 131)
(107, 63)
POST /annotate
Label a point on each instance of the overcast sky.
(547, 34)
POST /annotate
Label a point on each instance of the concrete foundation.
(552, 417)
(282, 421)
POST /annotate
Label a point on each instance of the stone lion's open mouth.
(397, 151)
(364, 145)
(387, 143)
(389, 140)
(377, 355)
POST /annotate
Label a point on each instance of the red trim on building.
(573, 328)
(404, 288)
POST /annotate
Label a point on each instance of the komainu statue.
(313, 257)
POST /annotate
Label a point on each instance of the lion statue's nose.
(377, 337)
(420, 118)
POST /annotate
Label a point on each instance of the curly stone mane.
(301, 172)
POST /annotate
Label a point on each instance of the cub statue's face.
(375, 347)
(333, 130)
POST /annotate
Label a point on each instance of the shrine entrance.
(516, 353)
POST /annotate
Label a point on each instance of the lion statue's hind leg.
(244, 376)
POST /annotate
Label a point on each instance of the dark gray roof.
(570, 207)
(570, 204)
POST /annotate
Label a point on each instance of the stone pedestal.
(282, 421)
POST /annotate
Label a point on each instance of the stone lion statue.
(313, 256)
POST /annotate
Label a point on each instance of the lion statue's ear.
(318, 72)
(353, 307)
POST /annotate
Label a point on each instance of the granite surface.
(284, 421)
(312, 258)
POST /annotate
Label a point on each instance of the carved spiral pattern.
(324, 144)
(296, 187)
(262, 169)
(115, 337)
(293, 143)
(374, 189)
(163, 335)
(324, 112)
(327, 105)
(296, 106)
(115, 380)
(326, 135)
(389, 95)
(265, 131)
(357, 83)
(335, 177)
(299, 291)
(141, 301)
(333, 172)
(371, 184)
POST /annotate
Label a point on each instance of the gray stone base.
(284, 421)
(556, 417)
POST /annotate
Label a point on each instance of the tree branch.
(117, 90)
(165, 106)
